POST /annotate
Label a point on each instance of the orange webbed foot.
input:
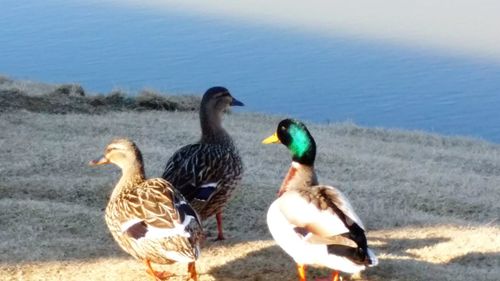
(193, 275)
(301, 269)
(160, 275)
(157, 275)
(335, 277)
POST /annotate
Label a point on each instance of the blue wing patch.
(204, 193)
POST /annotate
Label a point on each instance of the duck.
(313, 223)
(149, 218)
(207, 172)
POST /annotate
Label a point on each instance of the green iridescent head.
(295, 136)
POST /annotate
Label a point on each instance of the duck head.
(295, 136)
(218, 99)
(121, 152)
(214, 103)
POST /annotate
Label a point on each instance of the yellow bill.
(272, 139)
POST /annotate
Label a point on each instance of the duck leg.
(220, 235)
(335, 276)
(301, 269)
(192, 272)
(157, 275)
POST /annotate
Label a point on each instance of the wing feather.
(322, 210)
(151, 204)
(196, 165)
(323, 215)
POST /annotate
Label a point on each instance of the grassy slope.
(430, 203)
(72, 98)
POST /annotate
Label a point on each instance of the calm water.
(272, 69)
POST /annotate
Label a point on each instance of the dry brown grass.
(71, 98)
(430, 203)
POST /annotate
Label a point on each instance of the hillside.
(430, 203)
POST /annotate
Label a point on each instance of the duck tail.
(371, 259)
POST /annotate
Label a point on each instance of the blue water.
(272, 69)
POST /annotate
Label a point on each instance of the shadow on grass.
(472, 266)
(403, 265)
(272, 263)
(54, 231)
(45, 224)
(480, 260)
(42, 229)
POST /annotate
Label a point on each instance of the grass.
(72, 98)
(430, 203)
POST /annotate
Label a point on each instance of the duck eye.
(282, 128)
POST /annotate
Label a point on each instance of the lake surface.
(273, 69)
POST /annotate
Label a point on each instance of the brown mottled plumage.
(208, 171)
(148, 218)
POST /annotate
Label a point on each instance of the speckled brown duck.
(314, 224)
(148, 218)
(207, 172)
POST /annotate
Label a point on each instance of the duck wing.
(196, 170)
(154, 210)
(321, 213)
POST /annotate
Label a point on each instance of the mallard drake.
(314, 224)
(208, 171)
(148, 218)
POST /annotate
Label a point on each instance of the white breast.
(285, 236)
(302, 251)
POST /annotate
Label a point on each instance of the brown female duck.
(148, 218)
(208, 171)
